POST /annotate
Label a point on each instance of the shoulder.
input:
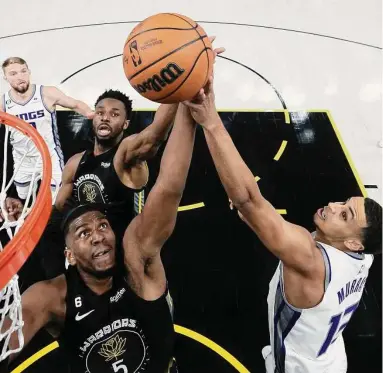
(74, 160)
(76, 157)
(71, 167)
(58, 285)
(57, 288)
(50, 95)
(51, 292)
(50, 91)
(55, 284)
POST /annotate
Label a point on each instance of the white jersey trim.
(25, 103)
(327, 280)
(43, 101)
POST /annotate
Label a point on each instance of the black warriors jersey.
(116, 331)
(96, 181)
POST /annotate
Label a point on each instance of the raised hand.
(216, 51)
(202, 107)
(13, 208)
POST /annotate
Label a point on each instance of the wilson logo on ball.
(157, 82)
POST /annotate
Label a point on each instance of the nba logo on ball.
(134, 53)
(172, 58)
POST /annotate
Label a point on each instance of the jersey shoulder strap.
(84, 158)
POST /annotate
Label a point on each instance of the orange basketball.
(168, 58)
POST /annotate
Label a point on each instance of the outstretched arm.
(53, 96)
(41, 304)
(148, 232)
(145, 144)
(290, 243)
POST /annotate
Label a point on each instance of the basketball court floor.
(299, 89)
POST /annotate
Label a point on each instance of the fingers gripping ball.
(168, 58)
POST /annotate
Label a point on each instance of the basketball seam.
(180, 17)
(159, 28)
(191, 70)
(166, 55)
(206, 48)
(207, 56)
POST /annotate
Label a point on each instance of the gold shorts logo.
(157, 82)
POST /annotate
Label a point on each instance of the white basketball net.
(11, 321)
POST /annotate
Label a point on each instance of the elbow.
(76, 105)
(245, 196)
(239, 203)
(174, 192)
(241, 199)
(170, 191)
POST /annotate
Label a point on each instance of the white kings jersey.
(37, 115)
(310, 340)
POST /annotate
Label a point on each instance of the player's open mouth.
(321, 213)
(101, 253)
(104, 130)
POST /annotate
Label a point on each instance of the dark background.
(218, 271)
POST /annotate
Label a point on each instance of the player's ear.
(126, 124)
(69, 256)
(354, 245)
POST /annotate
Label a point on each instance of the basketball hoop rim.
(17, 251)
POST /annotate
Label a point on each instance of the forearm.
(162, 122)
(54, 97)
(177, 156)
(235, 176)
(82, 108)
(145, 144)
(156, 222)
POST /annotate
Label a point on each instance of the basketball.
(168, 58)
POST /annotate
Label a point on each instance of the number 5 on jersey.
(335, 329)
(118, 366)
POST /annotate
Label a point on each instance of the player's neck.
(97, 285)
(21, 97)
(320, 237)
(100, 148)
